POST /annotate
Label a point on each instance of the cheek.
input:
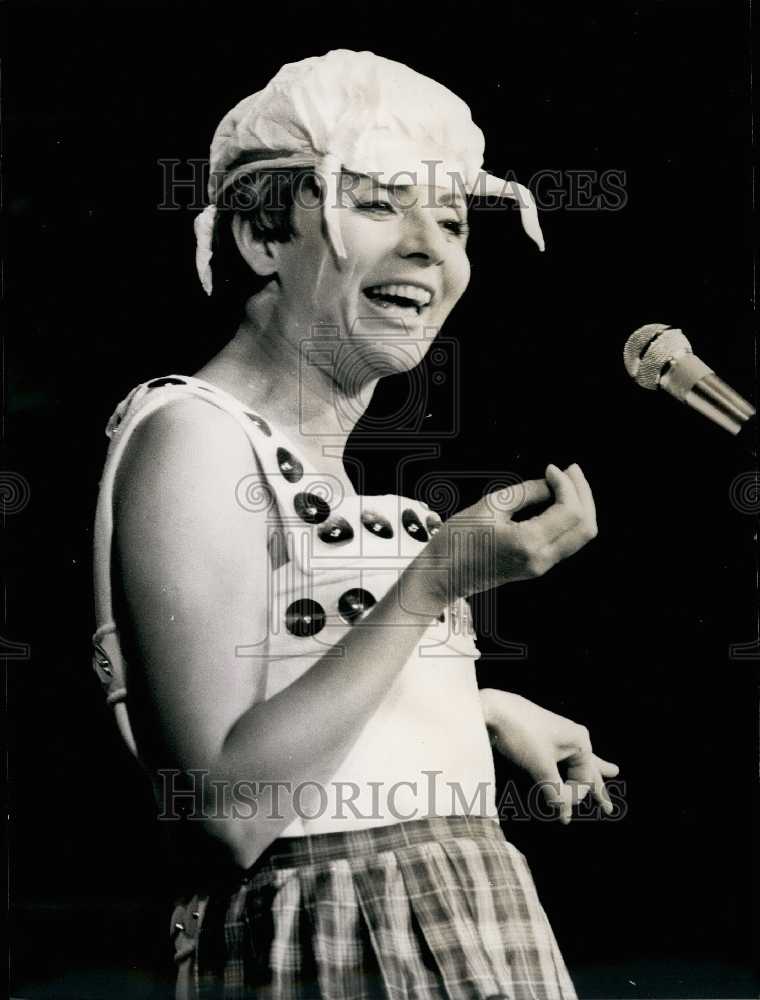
(368, 241)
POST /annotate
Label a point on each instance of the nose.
(421, 238)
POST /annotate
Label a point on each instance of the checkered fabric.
(422, 910)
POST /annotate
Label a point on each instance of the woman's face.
(406, 268)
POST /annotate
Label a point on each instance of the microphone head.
(649, 349)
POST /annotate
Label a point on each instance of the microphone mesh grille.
(659, 344)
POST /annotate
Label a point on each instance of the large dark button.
(304, 618)
(354, 604)
(262, 425)
(289, 465)
(311, 508)
(434, 523)
(377, 524)
(165, 381)
(414, 526)
(337, 529)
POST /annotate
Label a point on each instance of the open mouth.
(408, 299)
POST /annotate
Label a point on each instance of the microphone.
(657, 355)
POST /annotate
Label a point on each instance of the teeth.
(413, 292)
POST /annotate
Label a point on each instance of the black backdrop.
(632, 636)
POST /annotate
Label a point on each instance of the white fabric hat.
(357, 112)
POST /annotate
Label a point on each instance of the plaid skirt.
(421, 910)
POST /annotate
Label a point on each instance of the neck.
(283, 379)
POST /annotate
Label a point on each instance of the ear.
(261, 257)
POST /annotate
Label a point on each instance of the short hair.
(265, 200)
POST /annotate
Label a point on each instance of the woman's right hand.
(481, 547)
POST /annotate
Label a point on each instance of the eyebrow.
(446, 200)
(454, 200)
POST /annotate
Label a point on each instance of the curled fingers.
(551, 535)
(571, 522)
(584, 494)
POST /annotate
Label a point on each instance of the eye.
(456, 226)
(376, 205)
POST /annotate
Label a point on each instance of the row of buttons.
(314, 510)
(305, 617)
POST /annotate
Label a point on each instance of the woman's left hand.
(537, 740)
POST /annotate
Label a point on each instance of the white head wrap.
(358, 112)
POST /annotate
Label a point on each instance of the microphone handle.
(720, 403)
(692, 382)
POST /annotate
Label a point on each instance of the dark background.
(631, 636)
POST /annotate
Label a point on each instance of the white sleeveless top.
(332, 558)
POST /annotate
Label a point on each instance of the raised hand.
(482, 547)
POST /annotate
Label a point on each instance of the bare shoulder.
(183, 434)
(179, 524)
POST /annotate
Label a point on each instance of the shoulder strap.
(108, 661)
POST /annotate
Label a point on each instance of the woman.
(301, 667)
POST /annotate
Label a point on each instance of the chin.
(360, 363)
